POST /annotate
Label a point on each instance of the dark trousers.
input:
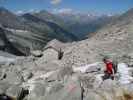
(107, 76)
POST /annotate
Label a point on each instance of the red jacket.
(109, 67)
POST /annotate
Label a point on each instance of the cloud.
(55, 2)
(33, 11)
(63, 10)
(20, 12)
(66, 10)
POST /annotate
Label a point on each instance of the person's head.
(105, 59)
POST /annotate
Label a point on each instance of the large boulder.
(65, 72)
(50, 65)
(56, 86)
(49, 54)
(70, 91)
(37, 53)
(109, 90)
(3, 87)
(16, 92)
(61, 74)
(38, 92)
(27, 75)
(14, 77)
(49, 60)
(87, 81)
(93, 96)
(56, 44)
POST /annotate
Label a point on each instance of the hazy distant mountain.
(8, 19)
(78, 24)
(47, 16)
(83, 24)
(48, 29)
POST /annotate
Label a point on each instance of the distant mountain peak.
(3, 9)
(9, 19)
(42, 12)
(129, 12)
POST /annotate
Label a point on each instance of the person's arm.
(113, 74)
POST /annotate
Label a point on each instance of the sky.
(93, 6)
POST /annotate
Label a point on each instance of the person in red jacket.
(109, 72)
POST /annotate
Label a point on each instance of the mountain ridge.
(32, 33)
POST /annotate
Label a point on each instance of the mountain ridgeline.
(30, 31)
(33, 30)
(81, 24)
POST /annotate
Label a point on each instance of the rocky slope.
(78, 75)
(114, 39)
(46, 77)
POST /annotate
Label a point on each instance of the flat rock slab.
(37, 53)
(71, 91)
(39, 91)
(14, 78)
(4, 86)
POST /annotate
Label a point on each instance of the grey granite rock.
(14, 78)
(16, 92)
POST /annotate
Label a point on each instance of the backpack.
(115, 66)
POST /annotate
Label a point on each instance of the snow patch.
(123, 71)
(5, 60)
(13, 30)
(83, 69)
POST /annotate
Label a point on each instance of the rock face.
(6, 45)
(37, 53)
(14, 77)
(16, 92)
(71, 91)
(55, 44)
